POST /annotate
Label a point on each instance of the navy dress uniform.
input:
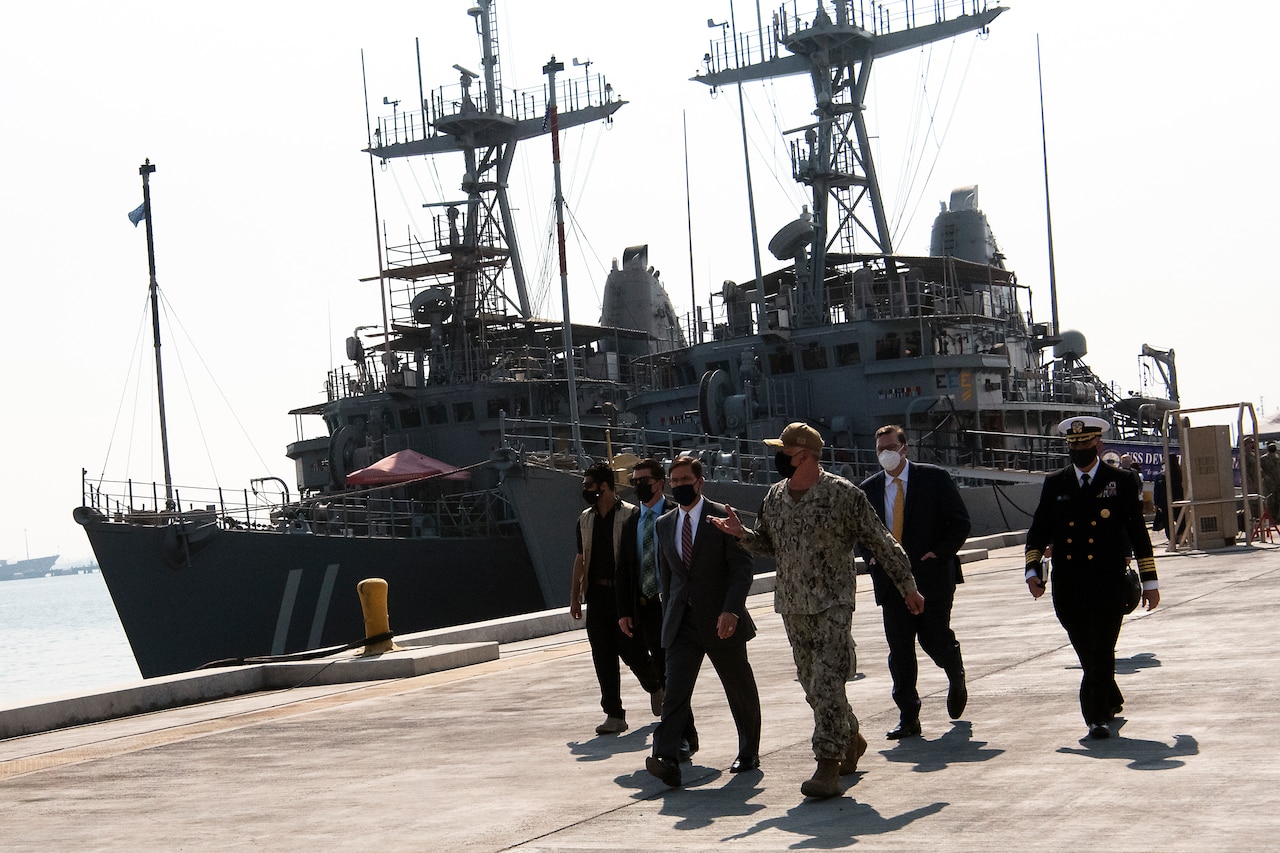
(1091, 515)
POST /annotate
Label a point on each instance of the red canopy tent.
(404, 465)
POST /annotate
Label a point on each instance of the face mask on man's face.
(685, 494)
(785, 464)
(644, 492)
(1082, 457)
(889, 459)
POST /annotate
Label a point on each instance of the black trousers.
(684, 659)
(648, 626)
(1089, 609)
(608, 644)
(933, 629)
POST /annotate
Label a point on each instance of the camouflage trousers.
(821, 648)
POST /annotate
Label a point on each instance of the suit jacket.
(717, 581)
(1091, 529)
(627, 581)
(934, 519)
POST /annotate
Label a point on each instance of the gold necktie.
(899, 505)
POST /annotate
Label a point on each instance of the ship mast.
(484, 122)
(566, 327)
(145, 170)
(832, 155)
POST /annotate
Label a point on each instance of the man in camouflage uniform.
(810, 521)
(1270, 463)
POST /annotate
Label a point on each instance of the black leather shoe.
(906, 728)
(664, 768)
(688, 746)
(957, 697)
(1099, 731)
(743, 763)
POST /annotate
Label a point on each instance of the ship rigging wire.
(907, 183)
(171, 322)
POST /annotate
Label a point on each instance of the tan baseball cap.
(797, 434)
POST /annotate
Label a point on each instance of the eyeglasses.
(635, 481)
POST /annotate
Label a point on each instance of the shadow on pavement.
(956, 746)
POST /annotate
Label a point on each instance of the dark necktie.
(1084, 481)
(686, 541)
(649, 559)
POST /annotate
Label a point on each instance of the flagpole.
(145, 170)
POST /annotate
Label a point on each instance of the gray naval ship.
(31, 567)
(844, 334)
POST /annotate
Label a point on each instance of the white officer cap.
(1081, 428)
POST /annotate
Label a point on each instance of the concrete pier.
(500, 753)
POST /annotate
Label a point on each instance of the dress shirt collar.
(1093, 471)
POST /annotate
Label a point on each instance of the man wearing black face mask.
(639, 607)
(1091, 514)
(704, 576)
(809, 522)
(599, 532)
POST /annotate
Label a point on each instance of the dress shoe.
(743, 763)
(1099, 731)
(688, 746)
(906, 728)
(655, 701)
(826, 780)
(664, 768)
(612, 726)
(856, 748)
(957, 696)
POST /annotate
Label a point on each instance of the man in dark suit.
(1090, 514)
(921, 506)
(639, 607)
(704, 578)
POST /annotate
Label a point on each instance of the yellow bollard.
(373, 603)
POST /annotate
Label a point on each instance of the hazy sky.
(1159, 135)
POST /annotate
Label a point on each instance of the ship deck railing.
(380, 511)
(375, 374)
(987, 453)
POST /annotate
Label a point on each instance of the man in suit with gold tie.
(921, 506)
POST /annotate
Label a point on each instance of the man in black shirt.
(599, 532)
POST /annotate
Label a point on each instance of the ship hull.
(247, 593)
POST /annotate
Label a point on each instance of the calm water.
(59, 635)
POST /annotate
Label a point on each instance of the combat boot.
(857, 746)
(826, 780)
